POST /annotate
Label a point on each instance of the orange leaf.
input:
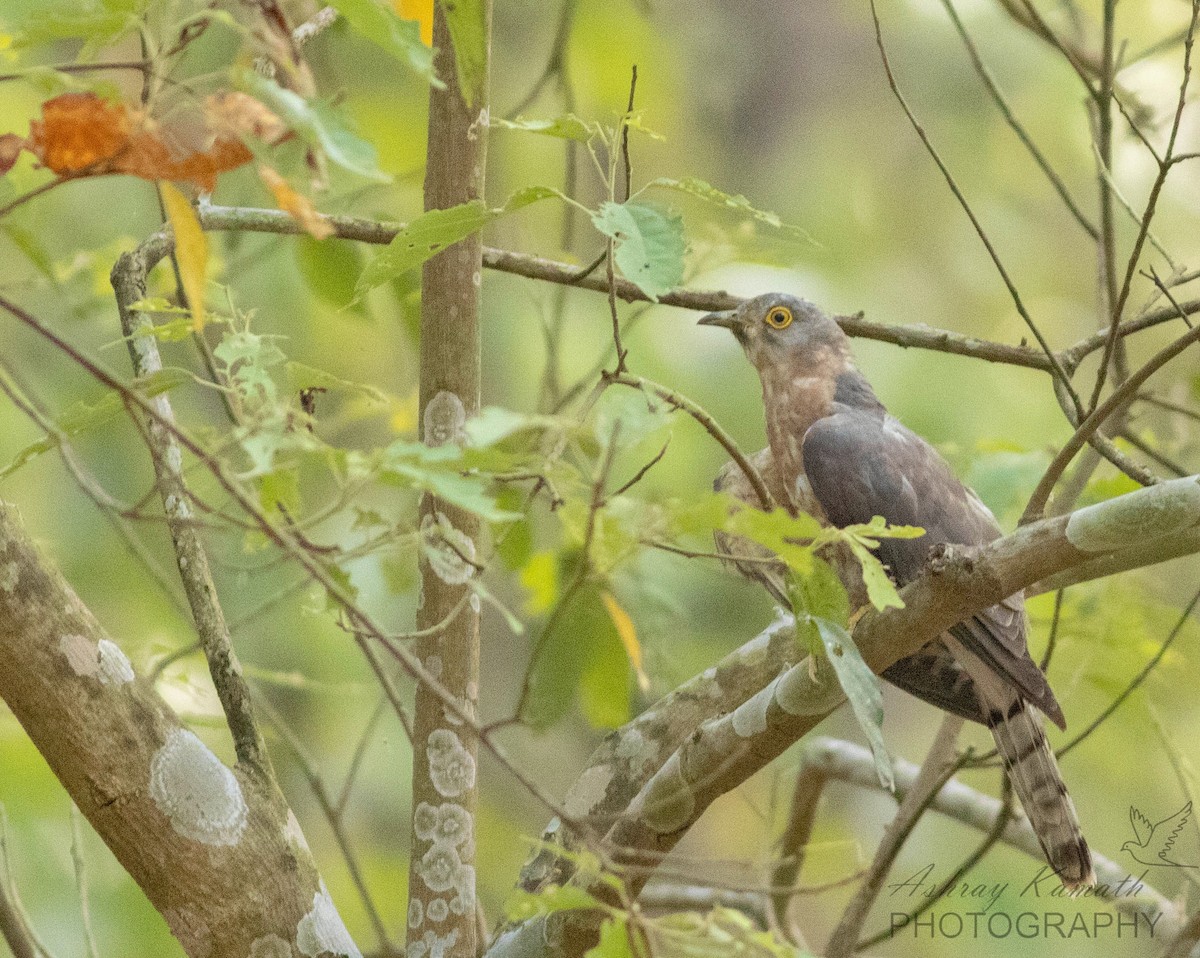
(419, 10)
(191, 250)
(628, 635)
(296, 205)
(79, 132)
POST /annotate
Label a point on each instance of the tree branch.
(726, 750)
(217, 851)
(129, 284)
(848, 762)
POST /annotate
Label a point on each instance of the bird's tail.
(1017, 728)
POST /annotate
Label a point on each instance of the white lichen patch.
(448, 824)
(322, 930)
(445, 420)
(439, 910)
(10, 575)
(449, 551)
(798, 692)
(200, 796)
(669, 803)
(439, 868)
(177, 508)
(270, 946)
(451, 766)
(636, 750)
(588, 791)
(416, 913)
(1137, 517)
(293, 834)
(103, 661)
(750, 718)
(432, 945)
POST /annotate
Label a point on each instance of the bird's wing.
(1143, 828)
(862, 464)
(1168, 830)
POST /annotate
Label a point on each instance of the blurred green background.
(787, 104)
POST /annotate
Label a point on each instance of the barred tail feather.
(1017, 728)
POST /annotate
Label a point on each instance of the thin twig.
(1060, 373)
(1017, 127)
(333, 815)
(1164, 168)
(711, 426)
(1136, 681)
(1088, 427)
(936, 770)
(993, 835)
(81, 883)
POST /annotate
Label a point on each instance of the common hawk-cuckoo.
(836, 453)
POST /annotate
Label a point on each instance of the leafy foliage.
(650, 244)
(400, 38)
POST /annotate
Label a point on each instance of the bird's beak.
(726, 319)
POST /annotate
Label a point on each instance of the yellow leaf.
(296, 205)
(191, 249)
(419, 10)
(404, 413)
(540, 577)
(627, 632)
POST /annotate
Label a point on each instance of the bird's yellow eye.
(780, 317)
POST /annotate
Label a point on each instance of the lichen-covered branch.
(726, 750)
(191, 556)
(216, 850)
(441, 889)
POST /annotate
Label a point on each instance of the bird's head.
(776, 329)
(1130, 846)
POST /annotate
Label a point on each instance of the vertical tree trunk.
(442, 907)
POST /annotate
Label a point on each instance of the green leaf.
(438, 470)
(433, 231)
(582, 642)
(731, 201)
(98, 22)
(425, 236)
(523, 905)
(329, 269)
(467, 20)
(861, 685)
(82, 417)
(317, 123)
(279, 488)
(881, 591)
(493, 424)
(789, 537)
(650, 245)
(614, 940)
(605, 693)
(565, 127)
(820, 593)
(401, 38)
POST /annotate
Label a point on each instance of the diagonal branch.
(191, 557)
(217, 851)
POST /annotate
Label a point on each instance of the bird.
(1162, 834)
(836, 453)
